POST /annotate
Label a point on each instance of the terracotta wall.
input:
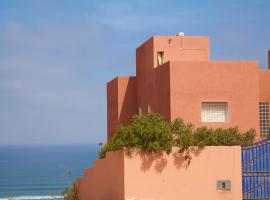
(112, 107)
(265, 85)
(121, 102)
(234, 82)
(127, 99)
(164, 177)
(177, 48)
(144, 74)
(160, 102)
(105, 180)
(185, 80)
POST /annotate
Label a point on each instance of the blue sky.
(57, 55)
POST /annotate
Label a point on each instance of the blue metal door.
(256, 171)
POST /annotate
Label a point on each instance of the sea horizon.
(39, 171)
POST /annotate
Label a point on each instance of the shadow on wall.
(183, 159)
(159, 159)
(129, 103)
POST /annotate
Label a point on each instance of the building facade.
(176, 78)
(121, 176)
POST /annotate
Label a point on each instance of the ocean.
(40, 172)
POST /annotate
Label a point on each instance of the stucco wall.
(160, 176)
(127, 99)
(265, 85)
(121, 102)
(105, 180)
(187, 48)
(185, 80)
(112, 107)
(234, 82)
(160, 101)
(175, 48)
(144, 74)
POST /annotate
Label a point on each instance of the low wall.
(105, 180)
(137, 175)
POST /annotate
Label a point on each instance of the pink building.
(176, 78)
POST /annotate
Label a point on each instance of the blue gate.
(256, 171)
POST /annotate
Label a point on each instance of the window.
(214, 111)
(160, 56)
(264, 118)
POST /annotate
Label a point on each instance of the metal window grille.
(214, 112)
(264, 117)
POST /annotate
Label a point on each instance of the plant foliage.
(152, 133)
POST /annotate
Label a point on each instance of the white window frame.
(214, 114)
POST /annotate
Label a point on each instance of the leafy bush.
(152, 133)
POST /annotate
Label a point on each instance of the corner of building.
(121, 102)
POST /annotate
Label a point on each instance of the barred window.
(214, 112)
(264, 117)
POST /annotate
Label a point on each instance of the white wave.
(32, 198)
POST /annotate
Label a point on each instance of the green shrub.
(152, 133)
